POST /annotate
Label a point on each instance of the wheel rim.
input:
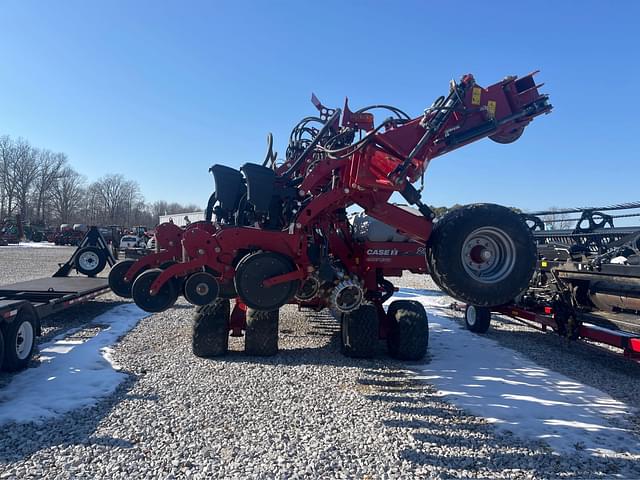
(471, 315)
(88, 260)
(24, 340)
(488, 255)
(159, 302)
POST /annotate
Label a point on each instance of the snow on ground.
(37, 245)
(514, 393)
(72, 373)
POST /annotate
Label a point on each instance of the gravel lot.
(307, 413)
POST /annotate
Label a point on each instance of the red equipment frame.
(390, 162)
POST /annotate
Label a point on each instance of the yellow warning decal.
(475, 95)
(491, 108)
(543, 264)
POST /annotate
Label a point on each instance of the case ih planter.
(277, 234)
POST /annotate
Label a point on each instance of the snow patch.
(511, 391)
(37, 245)
(72, 374)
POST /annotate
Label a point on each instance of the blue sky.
(160, 91)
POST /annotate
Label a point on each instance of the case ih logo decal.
(385, 252)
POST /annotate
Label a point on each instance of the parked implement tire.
(482, 254)
(257, 267)
(116, 278)
(19, 340)
(159, 302)
(211, 329)
(477, 319)
(360, 332)
(90, 261)
(261, 334)
(409, 334)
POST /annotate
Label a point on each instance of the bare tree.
(25, 169)
(68, 193)
(557, 221)
(50, 166)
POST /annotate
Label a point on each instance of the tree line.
(44, 189)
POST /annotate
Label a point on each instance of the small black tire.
(90, 261)
(408, 336)
(257, 267)
(501, 267)
(211, 329)
(360, 332)
(116, 278)
(477, 319)
(19, 340)
(261, 333)
(160, 302)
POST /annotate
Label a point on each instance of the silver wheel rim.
(88, 260)
(488, 255)
(471, 315)
(24, 340)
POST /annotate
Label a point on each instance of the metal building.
(182, 219)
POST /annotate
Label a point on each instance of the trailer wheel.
(409, 334)
(211, 329)
(360, 331)
(19, 340)
(116, 278)
(477, 319)
(261, 334)
(482, 254)
(161, 301)
(90, 261)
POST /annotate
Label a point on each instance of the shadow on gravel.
(449, 439)
(19, 441)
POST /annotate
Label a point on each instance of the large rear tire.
(409, 334)
(360, 332)
(211, 329)
(261, 333)
(482, 254)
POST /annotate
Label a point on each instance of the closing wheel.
(409, 330)
(19, 340)
(477, 319)
(261, 333)
(253, 270)
(90, 261)
(509, 136)
(201, 288)
(360, 332)
(482, 254)
(117, 282)
(164, 299)
(211, 329)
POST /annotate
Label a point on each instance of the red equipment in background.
(281, 232)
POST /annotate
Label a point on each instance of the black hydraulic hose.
(313, 143)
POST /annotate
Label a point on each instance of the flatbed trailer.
(593, 325)
(23, 305)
